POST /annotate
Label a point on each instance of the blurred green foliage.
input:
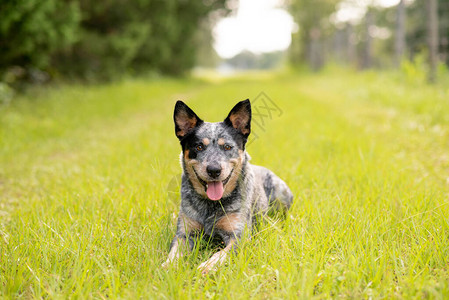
(100, 39)
(31, 30)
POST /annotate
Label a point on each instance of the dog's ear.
(240, 117)
(185, 119)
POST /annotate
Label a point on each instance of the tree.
(418, 29)
(121, 36)
(400, 33)
(313, 18)
(367, 57)
(31, 30)
(102, 39)
(432, 37)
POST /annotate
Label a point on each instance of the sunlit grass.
(85, 178)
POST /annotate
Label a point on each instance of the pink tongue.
(214, 190)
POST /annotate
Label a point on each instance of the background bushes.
(85, 39)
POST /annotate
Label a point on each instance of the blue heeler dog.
(221, 192)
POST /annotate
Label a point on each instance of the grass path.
(87, 205)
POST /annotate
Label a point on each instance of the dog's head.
(213, 153)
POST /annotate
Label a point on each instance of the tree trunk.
(351, 56)
(368, 51)
(339, 46)
(400, 33)
(315, 51)
(432, 38)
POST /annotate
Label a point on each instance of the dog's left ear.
(240, 117)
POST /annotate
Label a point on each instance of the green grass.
(86, 209)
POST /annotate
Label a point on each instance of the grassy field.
(88, 193)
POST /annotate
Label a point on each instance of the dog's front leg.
(218, 258)
(182, 242)
(178, 248)
(230, 228)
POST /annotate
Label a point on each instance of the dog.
(222, 194)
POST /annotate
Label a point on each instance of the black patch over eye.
(199, 147)
(227, 147)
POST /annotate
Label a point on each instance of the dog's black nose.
(214, 170)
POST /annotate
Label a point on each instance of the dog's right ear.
(185, 119)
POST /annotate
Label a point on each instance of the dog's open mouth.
(214, 189)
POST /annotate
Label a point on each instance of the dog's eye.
(227, 147)
(199, 147)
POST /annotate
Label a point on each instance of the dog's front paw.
(170, 260)
(166, 264)
(212, 263)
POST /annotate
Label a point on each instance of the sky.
(258, 26)
(265, 26)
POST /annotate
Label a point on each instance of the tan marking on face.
(206, 141)
(190, 164)
(199, 188)
(229, 222)
(232, 182)
(221, 141)
(188, 224)
(188, 161)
